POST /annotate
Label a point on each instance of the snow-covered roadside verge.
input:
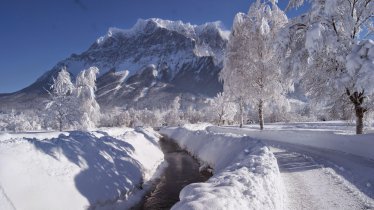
(77, 170)
(246, 174)
(361, 145)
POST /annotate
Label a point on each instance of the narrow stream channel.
(182, 170)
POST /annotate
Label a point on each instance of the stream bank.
(181, 171)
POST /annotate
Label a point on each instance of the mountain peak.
(148, 25)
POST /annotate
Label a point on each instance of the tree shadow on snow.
(294, 162)
(357, 170)
(109, 171)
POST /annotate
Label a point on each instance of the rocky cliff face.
(146, 66)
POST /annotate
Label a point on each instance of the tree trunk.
(60, 125)
(260, 114)
(241, 112)
(357, 98)
(359, 119)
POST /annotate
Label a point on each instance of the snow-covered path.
(310, 185)
(324, 179)
(319, 168)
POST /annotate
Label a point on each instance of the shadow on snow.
(294, 162)
(108, 170)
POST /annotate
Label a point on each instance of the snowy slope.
(246, 174)
(76, 170)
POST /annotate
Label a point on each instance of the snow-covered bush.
(192, 115)
(223, 109)
(173, 116)
(20, 121)
(150, 118)
(145, 117)
(115, 118)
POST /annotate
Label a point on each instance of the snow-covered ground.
(286, 166)
(246, 174)
(315, 182)
(334, 135)
(76, 170)
(322, 166)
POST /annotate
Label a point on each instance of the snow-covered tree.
(358, 80)
(251, 71)
(233, 74)
(19, 121)
(73, 106)
(173, 115)
(151, 117)
(115, 117)
(316, 46)
(223, 108)
(62, 106)
(192, 115)
(85, 92)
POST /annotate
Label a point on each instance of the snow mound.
(246, 174)
(79, 170)
(197, 126)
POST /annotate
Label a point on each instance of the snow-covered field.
(76, 170)
(334, 135)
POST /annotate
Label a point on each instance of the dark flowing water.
(182, 170)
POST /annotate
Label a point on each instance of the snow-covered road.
(312, 184)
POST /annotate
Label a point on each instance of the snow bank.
(77, 170)
(246, 174)
(361, 145)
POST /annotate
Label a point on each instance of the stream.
(182, 170)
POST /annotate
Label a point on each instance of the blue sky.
(37, 34)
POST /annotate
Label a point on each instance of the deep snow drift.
(76, 170)
(246, 174)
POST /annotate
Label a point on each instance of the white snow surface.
(246, 174)
(322, 165)
(77, 170)
(325, 135)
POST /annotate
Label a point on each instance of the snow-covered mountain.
(145, 66)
